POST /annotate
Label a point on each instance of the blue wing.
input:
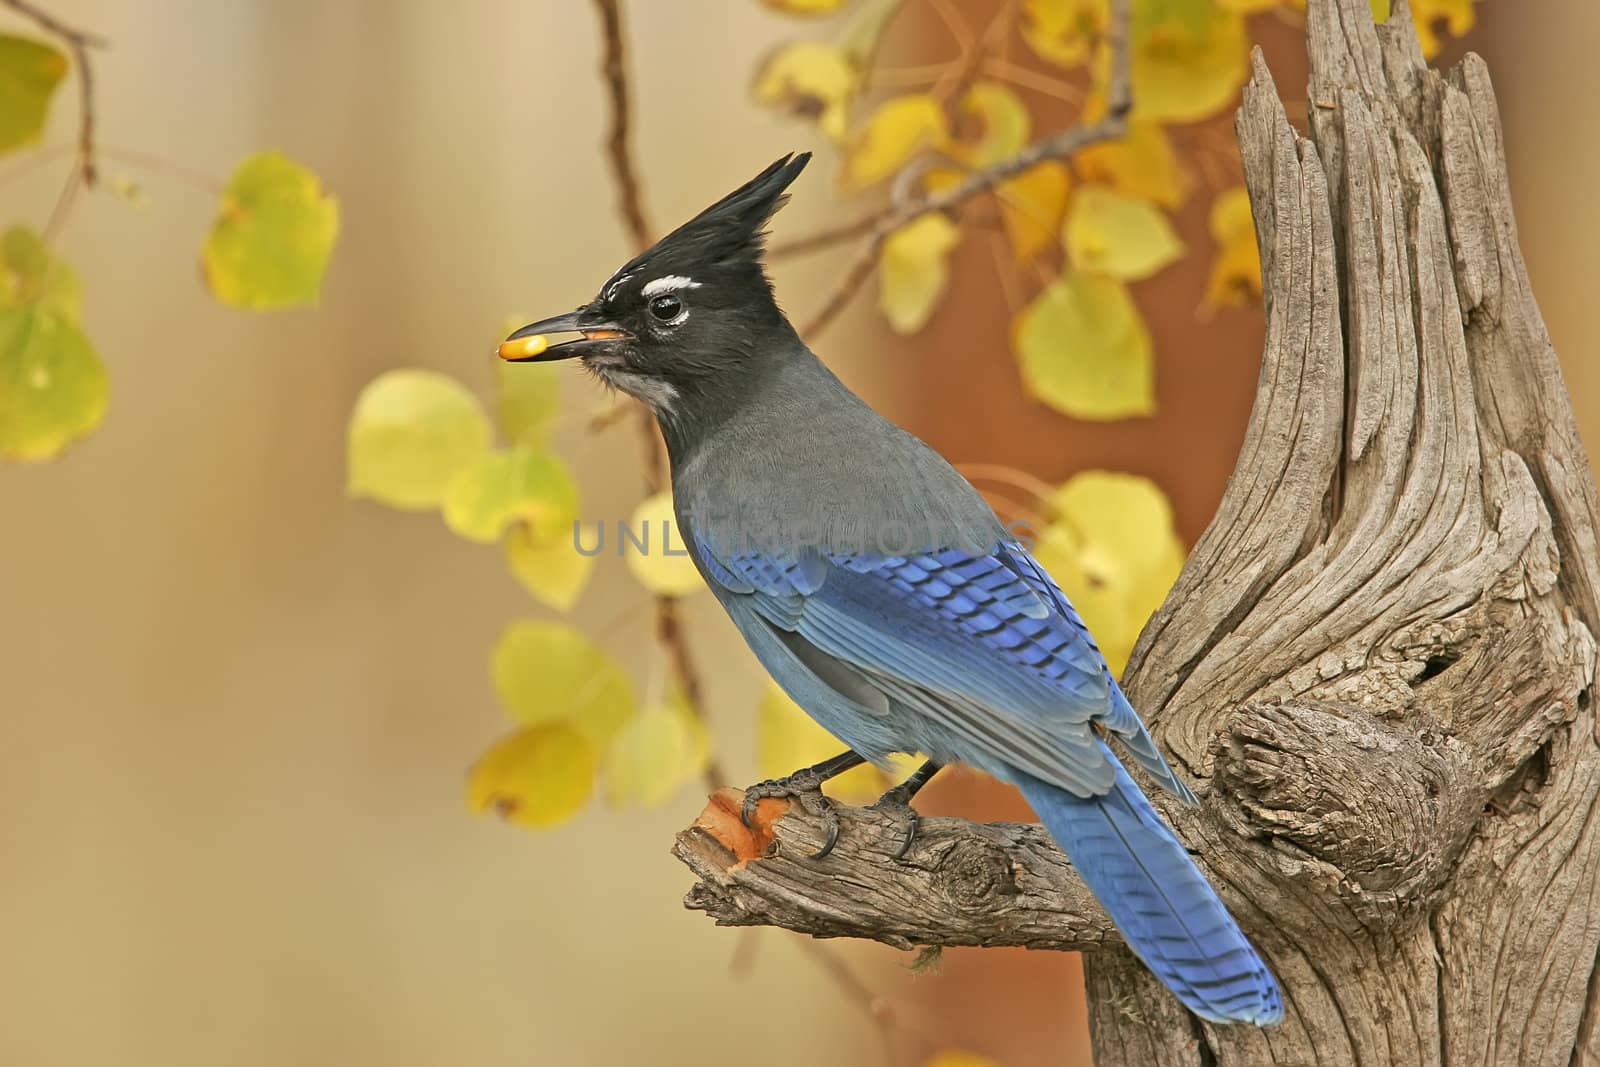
(982, 656)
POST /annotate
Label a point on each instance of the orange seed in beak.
(525, 347)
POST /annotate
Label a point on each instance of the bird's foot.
(897, 801)
(807, 781)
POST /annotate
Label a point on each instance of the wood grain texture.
(1378, 662)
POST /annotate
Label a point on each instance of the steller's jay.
(882, 593)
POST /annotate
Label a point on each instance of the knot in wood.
(973, 874)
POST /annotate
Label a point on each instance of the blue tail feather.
(1165, 908)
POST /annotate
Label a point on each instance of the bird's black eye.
(666, 308)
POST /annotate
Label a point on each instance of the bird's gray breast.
(830, 475)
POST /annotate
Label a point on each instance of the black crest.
(730, 235)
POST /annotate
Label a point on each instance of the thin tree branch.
(615, 71)
(668, 620)
(1060, 145)
(79, 41)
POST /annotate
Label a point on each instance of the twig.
(79, 41)
(865, 262)
(1059, 145)
(669, 624)
(614, 68)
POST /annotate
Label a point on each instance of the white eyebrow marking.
(615, 283)
(670, 284)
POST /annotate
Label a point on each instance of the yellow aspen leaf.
(1084, 349)
(538, 776)
(646, 761)
(1114, 550)
(812, 79)
(550, 568)
(29, 73)
(1141, 164)
(53, 387)
(1252, 7)
(1189, 59)
(547, 672)
(788, 739)
(960, 1058)
(1118, 236)
(1456, 15)
(1064, 31)
(655, 552)
(1236, 271)
(520, 484)
(806, 7)
(900, 128)
(938, 179)
(1032, 207)
(272, 237)
(913, 268)
(1001, 121)
(411, 433)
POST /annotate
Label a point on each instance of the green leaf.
(527, 401)
(29, 73)
(551, 569)
(412, 431)
(270, 243)
(53, 387)
(1117, 235)
(548, 672)
(31, 276)
(538, 776)
(913, 269)
(1084, 349)
(647, 760)
(504, 487)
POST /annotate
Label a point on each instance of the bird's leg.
(806, 780)
(899, 799)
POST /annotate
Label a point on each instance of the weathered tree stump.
(1378, 661)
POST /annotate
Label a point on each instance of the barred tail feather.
(1158, 898)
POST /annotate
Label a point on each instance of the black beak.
(533, 342)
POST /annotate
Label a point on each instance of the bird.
(882, 593)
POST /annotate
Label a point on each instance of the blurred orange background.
(238, 708)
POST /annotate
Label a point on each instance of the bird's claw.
(897, 802)
(791, 787)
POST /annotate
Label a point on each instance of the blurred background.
(239, 708)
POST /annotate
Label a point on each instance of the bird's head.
(690, 312)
